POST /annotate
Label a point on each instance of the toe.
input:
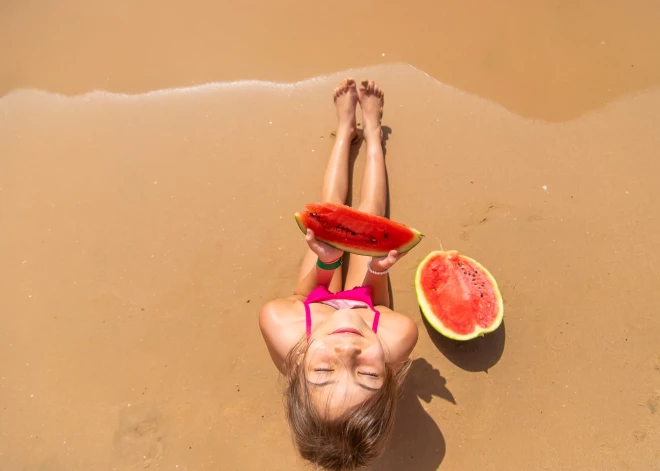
(364, 85)
(372, 84)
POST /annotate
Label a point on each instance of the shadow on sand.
(479, 354)
(417, 442)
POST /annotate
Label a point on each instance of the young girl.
(344, 353)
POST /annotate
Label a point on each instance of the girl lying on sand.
(344, 353)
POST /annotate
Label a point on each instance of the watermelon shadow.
(416, 442)
(479, 354)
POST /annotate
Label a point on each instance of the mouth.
(347, 330)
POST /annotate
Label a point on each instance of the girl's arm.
(316, 277)
(380, 294)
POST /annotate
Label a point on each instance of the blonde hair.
(353, 439)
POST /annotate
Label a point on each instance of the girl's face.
(344, 364)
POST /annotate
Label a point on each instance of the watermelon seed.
(352, 233)
(385, 235)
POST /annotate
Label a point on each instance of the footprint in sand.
(639, 436)
(139, 436)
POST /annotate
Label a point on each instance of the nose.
(347, 350)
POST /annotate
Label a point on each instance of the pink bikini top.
(348, 299)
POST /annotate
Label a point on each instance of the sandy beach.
(152, 157)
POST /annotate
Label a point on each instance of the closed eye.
(323, 369)
(368, 374)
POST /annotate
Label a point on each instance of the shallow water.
(549, 60)
(141, 234)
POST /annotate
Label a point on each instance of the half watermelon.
(356, 231)
(458, 296)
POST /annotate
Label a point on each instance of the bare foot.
(371, 99)
(346, 99)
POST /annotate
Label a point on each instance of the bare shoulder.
(281, 327)
(399, 331)
(397, 321)
(278, 312)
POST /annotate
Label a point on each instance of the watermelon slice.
(458, 296)
(356, 231)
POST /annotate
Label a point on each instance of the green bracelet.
(329, 266)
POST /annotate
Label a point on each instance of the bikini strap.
(374, 326)
(321, 294)
(366, 296)
(308, 320)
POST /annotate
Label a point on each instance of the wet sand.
(546, 60)
(143, 227)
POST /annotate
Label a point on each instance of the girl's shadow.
(416, 442)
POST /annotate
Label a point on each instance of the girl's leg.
(335, 180)
(373, 195)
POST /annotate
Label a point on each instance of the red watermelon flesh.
(458, 296)
(356, 231)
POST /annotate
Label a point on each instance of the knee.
(334, 198)
(371, 207)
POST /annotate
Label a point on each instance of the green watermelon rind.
(434, 321)
(418, 236)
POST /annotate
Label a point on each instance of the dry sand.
(143, 227)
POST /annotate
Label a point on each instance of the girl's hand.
(387, 262)
(325, 252)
